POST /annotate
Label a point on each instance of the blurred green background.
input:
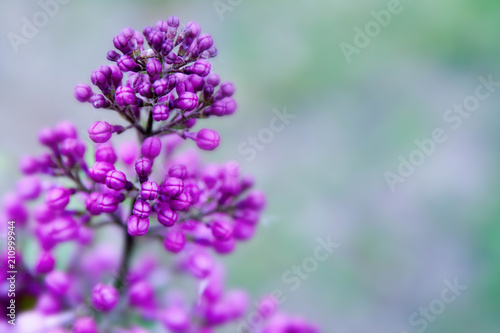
(324, 173)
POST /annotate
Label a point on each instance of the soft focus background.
(324, 173)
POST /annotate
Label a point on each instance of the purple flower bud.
(91, 203)
(43, 214)
(136, 81)
(174, 241)
(126, 63)
(57, 283)
(162, 26)
(149, 190)
(85, 325)
(137, 227)
(125, 96)
(83, 92)
(197, 82)
(140, 294)
(122, 44)
(45, 263)
(143, 167)
(249, 216)
(99, 171)
(116, 75)
(173, 58)
(112, 55)
(28, 188)
(160, 87)
(243, 231)
(224, 247)
(151, 147)
(184, 86)
(73, 148)
(166, 47)
(222, 230)
(47, 136)
(172, 187)
(227, 89)
(146, 90)
(58, 198)
(105, 153)
(178, 171)
(207, 139)
(128, 32)
(160, 112)
(176, 319)
(65, 130)
(48, 304)
(213, 79)
(204, 42)
(142, 209)
(200, 264)
(187, 101)
(100, 131)
(181, 202)
(154, 68)
(166, 216)
(63, 229)
(146, 31)
(156, 39)
(104, 297)
(99, 101)
(28, 165)
(193, 29)
(107, 203)
(99, 79)
(116, 180)
(223, 107)
(201, 67)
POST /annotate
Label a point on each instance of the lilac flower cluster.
(146, 189)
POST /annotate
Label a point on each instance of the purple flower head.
(58, 198)
(160, 112)
(166, 216)
(142, 209)
(151, 147)
(187, 101)
(45, 263)
(149, 190)
(207, 139)
(83, 92)
(104, 297)
(57, 283)
(137, 226)
(99, 171)
(116, 180)
(174, 241)
(172, 187)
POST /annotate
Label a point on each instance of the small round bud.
(105, 153)
(143, 167)
(222, 230)
(175, 319)
(99, 171)
(100, 131)
(174, 241)
(187, 101)
(166, 216)
(149, 190)
(207, 139)
(160, 87)
(172, 187)
(45, 263)
(107, 203)
(28, 165)
(122, 43)
(160, 112)
(57, 283)
(85, 325)
(201, 67)
(65, 130)
(28, 188)
(142, 209)
(58, 198)
(99, 101)
(125, 96)
(47, 136)
(154, 68)
(204, 42)
(178, 171)
(83, 92)
(181, 203)
(112, 55)
(151, 147)
(116, 180)
(137, 227)
(104, 297)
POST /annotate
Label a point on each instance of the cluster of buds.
(147, 190)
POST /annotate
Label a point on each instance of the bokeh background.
(323, 174)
